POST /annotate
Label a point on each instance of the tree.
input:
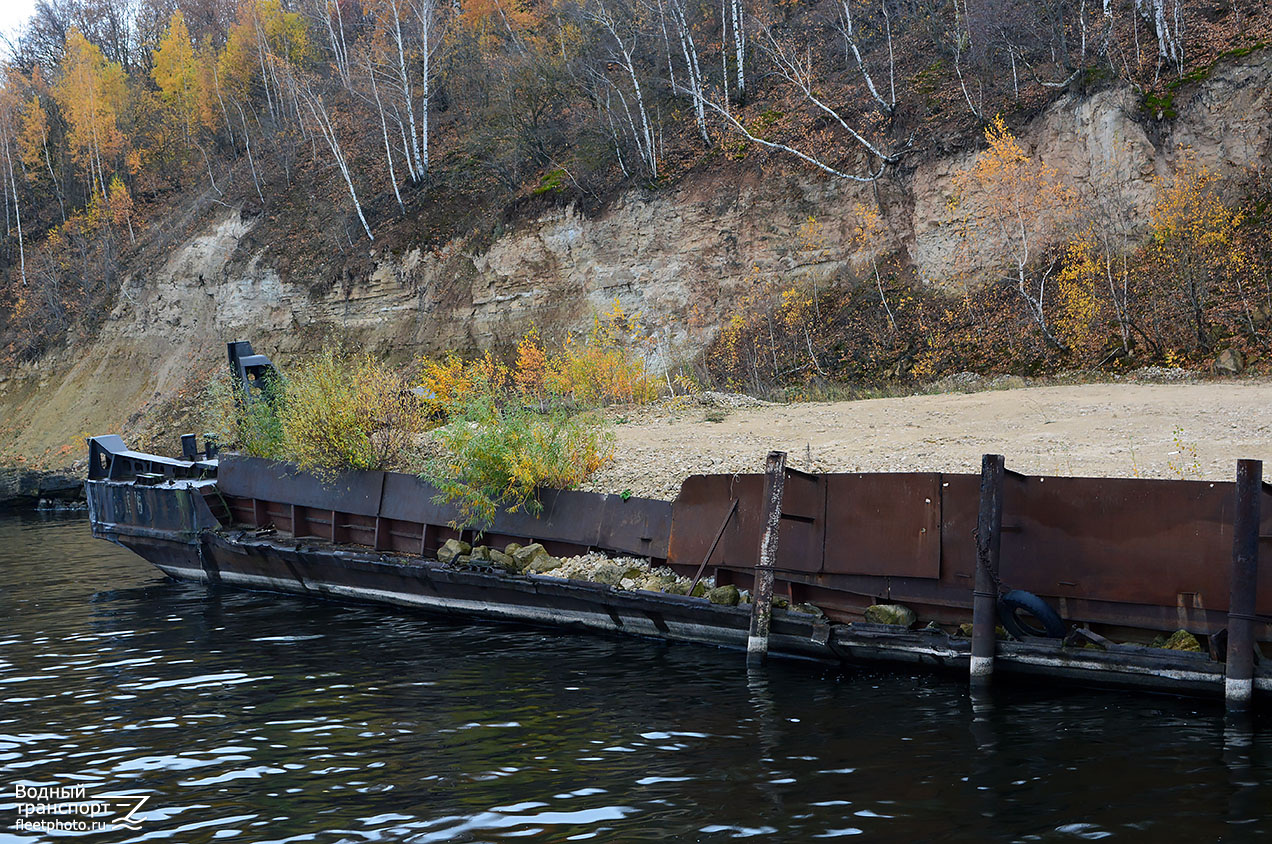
(1193, 244)
(799, 67)
(33, 144)
(8, 120)
(120, 206)
(1013, 207)
(176, 72)
(318, 110)
(91, 93)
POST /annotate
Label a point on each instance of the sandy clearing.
(1090, 429)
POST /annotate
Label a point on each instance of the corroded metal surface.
(1150, 554)
(394, 511)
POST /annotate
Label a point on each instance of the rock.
(462, 560)
(542, 563)
(451, 549)
(481, 552)
(658, 582)
(678, 588)
(890, 614)
(511, 548)
(612, 573)
(1229, 362)
(780, 603)
(725, 595)
(503, 561)
(1182, 640)
(807, 609)
(528, 554)
(23, 487)
(628, 583)
(700, 590)
(965, 630)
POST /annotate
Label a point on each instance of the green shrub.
(251, 428)
(341, 411)
(497, 453)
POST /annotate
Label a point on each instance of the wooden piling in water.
(1242, 584)
(762, 589)
(989, 524)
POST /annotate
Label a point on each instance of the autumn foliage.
(342, 123)
(1070, 291)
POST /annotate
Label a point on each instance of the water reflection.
(256, 717)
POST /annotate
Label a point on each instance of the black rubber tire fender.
(1018, 600)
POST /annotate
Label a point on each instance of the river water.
(255, 717)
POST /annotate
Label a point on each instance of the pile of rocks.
(625, 573)
(619, 572)
(729, 401)
(629, 573)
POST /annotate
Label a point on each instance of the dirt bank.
(1145, 430)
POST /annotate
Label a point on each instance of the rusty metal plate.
(884, 524)
(1126, 540)
(697, 515)
(268, 480)
(801, 537)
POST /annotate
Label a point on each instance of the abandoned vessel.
(1086, 572)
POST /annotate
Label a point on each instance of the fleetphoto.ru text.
(70, 808)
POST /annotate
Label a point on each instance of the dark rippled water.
(256, 717)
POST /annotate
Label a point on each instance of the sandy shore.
(1141, 430)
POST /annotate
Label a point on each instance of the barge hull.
(370, 539)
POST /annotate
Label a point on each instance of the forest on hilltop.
(406, 122)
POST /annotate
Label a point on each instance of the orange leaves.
(531, 370)
(91, 93)
(34, 134)
(1014, 196)
(607, 367)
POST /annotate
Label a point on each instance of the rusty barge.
(1108, 564)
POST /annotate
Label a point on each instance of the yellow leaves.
(812, 238)
(1189, 214)
(1079, 305)
(287, 33)
(34, 135)
(184, 76)
(119, 202)
(448, 382)
(867, 227)
(607, 366)
(340, 412)
(238, 63)
(91, 93)
(1003, 147)
(174, 69)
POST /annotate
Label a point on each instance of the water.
(256, 717)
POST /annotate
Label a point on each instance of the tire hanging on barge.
(1017, 601)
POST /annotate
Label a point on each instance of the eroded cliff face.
(682, 256)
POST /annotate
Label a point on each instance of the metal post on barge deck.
(762, 589)
(989, 531)
(1243, 580)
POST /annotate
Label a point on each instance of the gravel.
(1174, 429)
